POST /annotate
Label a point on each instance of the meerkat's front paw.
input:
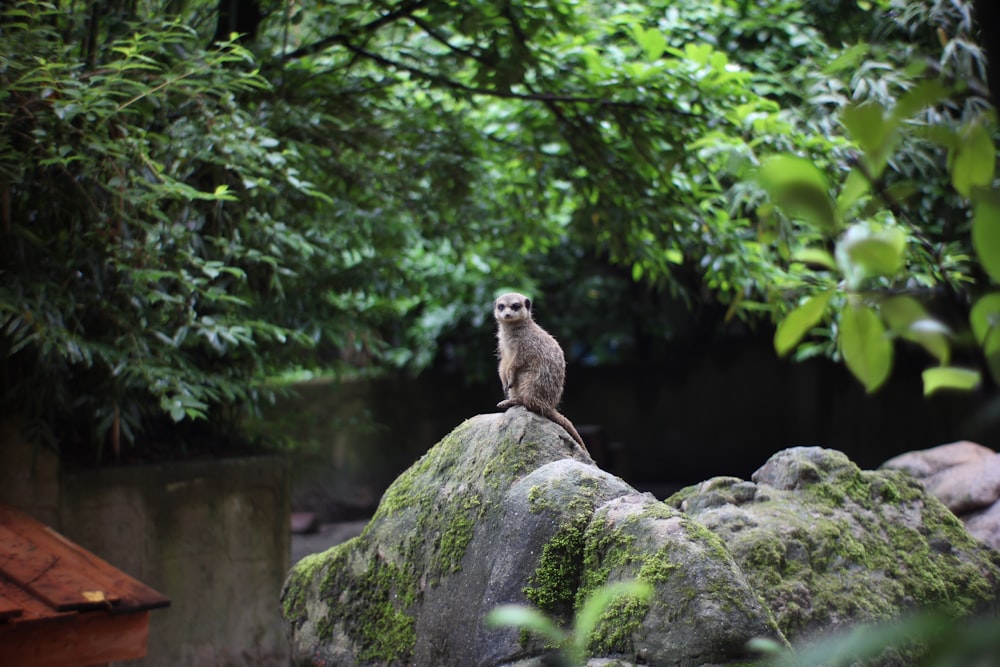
(503, 405)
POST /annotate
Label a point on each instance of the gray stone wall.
(29, 475)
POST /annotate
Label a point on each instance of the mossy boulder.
(507, 509)
(827, 544)
(703, 610)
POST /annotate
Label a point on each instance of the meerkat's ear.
(527, 304)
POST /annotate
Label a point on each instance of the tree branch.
(429, 29)
(404, 10)
(444, 81)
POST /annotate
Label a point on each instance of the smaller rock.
(799, 468)
(968, 487)
(965, 477)
(985, 524)
(304, 523)
(928, 462)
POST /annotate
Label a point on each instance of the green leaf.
(864, 252)
(222, 192)
(908, 318)
(984, 319)
(973, 160)
(942, 135)
(950, 377)
(869, 127)
(815, 256)
(527, 618)
(698, 53)
(925, 94)
(863, 342)
(849, 59)
(902, 311)
(173, 407)
(986, 231)
(799, 321)
(652, 41)
(855, 187)
(866, 124)
(798, 186)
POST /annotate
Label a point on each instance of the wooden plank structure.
(62, 606)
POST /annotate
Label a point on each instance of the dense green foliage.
(349, 184)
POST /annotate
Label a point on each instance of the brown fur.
(532, 365)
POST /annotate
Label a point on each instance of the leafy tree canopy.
(198, 196)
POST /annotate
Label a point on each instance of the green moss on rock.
(554, 583)
(294, 594)
(376, 614)
(827, 544)
(619, 623)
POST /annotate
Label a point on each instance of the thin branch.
(441, 39)
(344, 39)
(404, 10)
(505, 94)
(429, 29)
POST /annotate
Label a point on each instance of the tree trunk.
(988, 16)
(240, 16)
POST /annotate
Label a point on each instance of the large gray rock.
(827, 544)
(506, 509)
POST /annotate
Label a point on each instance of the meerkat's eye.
(515, 306)
(500, 307)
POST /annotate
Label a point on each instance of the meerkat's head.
(511, 308)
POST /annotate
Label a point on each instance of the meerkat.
(532, 365)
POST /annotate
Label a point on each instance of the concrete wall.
(212, 536)
(29, 476)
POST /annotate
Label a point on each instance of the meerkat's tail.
(552, 415)
(561, 419)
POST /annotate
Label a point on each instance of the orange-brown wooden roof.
(43, 574)
(45, 577)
